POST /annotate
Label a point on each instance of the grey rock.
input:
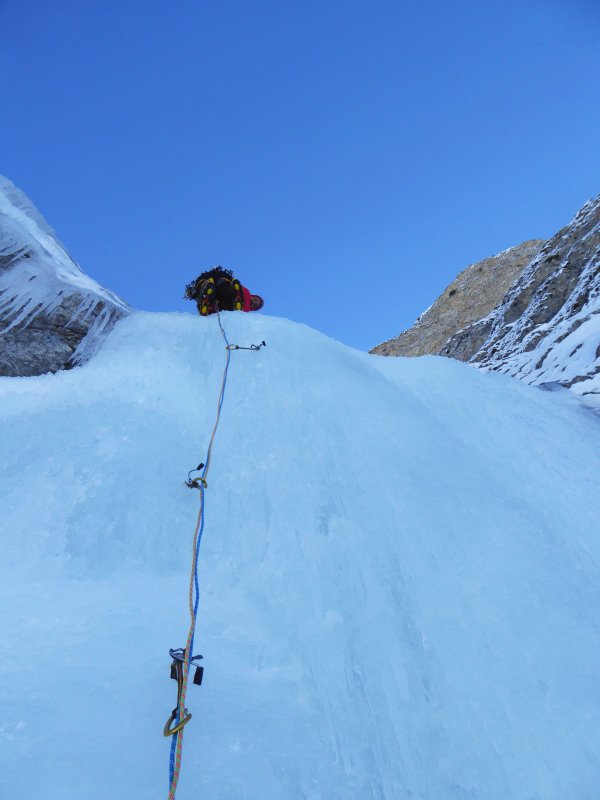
(544, 327)
(556, 294)
(469, 298)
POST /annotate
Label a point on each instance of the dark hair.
(195, 289)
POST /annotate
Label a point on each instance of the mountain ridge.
(473, 294)
(545, 329)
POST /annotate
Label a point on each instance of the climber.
(218, 290)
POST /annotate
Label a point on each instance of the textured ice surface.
(400, 589)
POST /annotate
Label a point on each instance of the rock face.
(544, 330)
(472, 295)
(547, 328)
(52, 315)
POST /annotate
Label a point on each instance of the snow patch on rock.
(43, 289)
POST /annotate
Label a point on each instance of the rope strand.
(194, 590)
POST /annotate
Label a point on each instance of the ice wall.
(399, 575)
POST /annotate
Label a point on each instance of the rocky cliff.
(52, 315)
(543, 324)
(472, 295)
(547, 328)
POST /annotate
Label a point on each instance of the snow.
(566, 348)
(47, 276)
(399, 579)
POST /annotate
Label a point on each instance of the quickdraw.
(177, 665)
(252, 346)
(196, 483)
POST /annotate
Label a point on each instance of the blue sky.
(346, 159)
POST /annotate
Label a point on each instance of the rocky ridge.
(547, 328)
(472, 295)
(544, 329)
(52, 315)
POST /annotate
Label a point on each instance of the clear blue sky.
(346, 159)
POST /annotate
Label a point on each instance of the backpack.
(215, 289)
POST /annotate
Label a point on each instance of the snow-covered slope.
(51, 313)
(399, 580)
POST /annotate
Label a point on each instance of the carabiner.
(168, 731)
